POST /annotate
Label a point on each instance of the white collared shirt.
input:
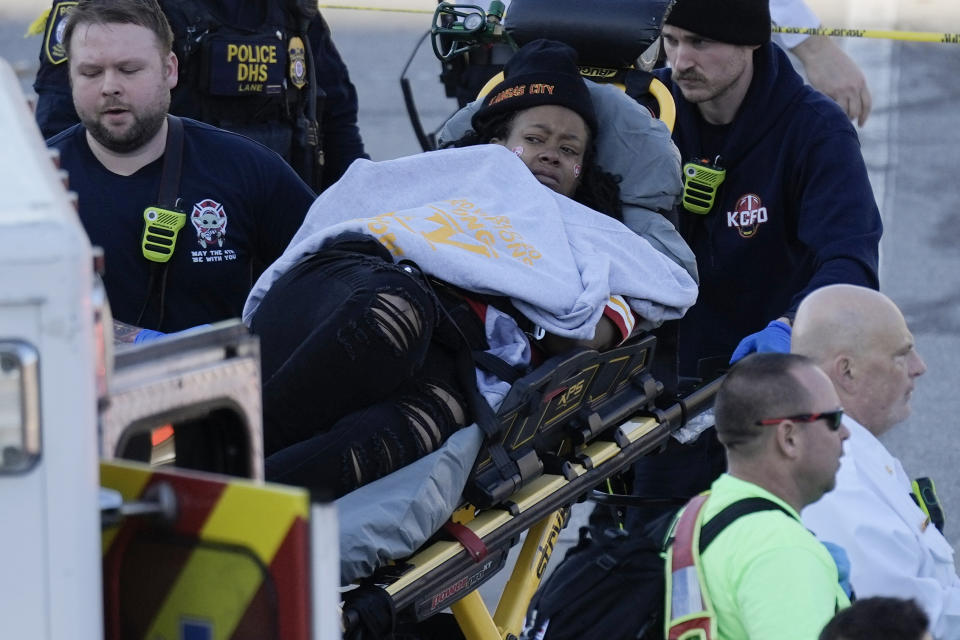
(894, 550)
(792, 13)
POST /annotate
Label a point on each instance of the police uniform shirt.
(242, 204)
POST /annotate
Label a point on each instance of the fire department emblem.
(210, 222)
(747, 215)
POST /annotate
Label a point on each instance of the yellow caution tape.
(387, 9)
(36, 27)
(882, 34)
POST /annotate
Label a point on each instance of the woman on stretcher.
(404, 266)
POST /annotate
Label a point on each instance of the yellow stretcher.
(447, 572)
(618, 420)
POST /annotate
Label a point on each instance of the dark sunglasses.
(834, 419)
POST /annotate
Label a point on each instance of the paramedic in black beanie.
(776, 203)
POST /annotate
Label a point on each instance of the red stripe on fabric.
(683, 538)
(618, 322)
(479, 308)
(678, 630)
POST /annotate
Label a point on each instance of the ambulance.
(131, 490)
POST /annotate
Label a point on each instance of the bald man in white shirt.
(860, 338)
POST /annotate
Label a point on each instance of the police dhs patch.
(747, 215)
(53, 39)
(245, 65)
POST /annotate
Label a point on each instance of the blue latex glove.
(149, 335)
(774, 337)
(839, 555)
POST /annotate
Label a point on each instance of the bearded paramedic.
(184, 233)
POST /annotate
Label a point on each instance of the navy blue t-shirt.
(242, 202)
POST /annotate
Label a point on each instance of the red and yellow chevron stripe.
(233, 565)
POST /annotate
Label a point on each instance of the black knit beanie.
(540, 72)
(745, 22)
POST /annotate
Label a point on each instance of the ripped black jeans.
(359, 368)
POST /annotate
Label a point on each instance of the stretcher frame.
(446, 574)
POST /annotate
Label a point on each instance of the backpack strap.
(689, 613)
(731, 512)
(172, 163)
(168, 197)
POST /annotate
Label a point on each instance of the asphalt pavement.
(910, 144)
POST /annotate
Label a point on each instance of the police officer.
(244, 66)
